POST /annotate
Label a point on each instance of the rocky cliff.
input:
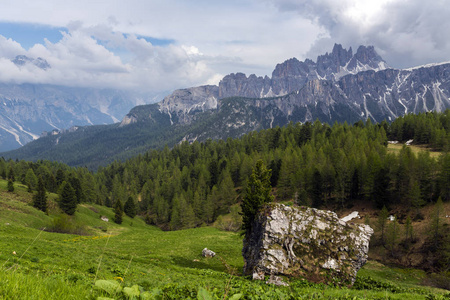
(338, 86)
(307, 243)
(287, 77)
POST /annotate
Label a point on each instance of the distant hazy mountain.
(339, 86)
(27, 110)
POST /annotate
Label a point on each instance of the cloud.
(405, 32)
(199, 42)
(266, 36)
(9, 48)
(83, 57)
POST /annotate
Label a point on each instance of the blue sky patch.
(28, 34)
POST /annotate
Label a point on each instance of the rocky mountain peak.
(366, 58)
(290, 76)
(22, 60)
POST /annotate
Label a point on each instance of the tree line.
(311, 164)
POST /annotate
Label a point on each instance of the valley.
(38, 264)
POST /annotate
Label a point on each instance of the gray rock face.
(182, 104)
(289, 76)
(339, 86)
(307, 243)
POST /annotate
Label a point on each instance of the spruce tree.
(258, 193)
(409, 233)
(10, 185)
(382, 220)
(130, 208)
(31, 180)
(67, 198)
(40, 198)
(392, 234)
(317, 189)
(118, 210)
(436, 223)
(11, 175)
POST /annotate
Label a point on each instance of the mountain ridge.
(340, 86)
(28, 110)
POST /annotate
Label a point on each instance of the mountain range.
(338, 86)
(28, 110)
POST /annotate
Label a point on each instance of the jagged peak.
(21, 60)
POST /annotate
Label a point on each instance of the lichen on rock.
(305, 242)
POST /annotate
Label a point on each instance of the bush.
(64, 224)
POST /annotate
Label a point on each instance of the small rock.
(258, 276)
(196, 260)
(276, 280)
(208, 253)
(14, 253)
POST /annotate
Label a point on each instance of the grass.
(395, 148)
(36, 264)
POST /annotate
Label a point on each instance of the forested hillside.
(312, 164)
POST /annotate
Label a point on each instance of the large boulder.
(305, 242)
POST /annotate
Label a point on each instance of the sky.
(157, 46)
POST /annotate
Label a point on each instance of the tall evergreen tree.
(130, 208)
(10, 185)
(40, 198)
(31, 180)
(258, 193)
(67, 198)
(392, 234)
(436, 223)
(316, 191)
(11, 174)
(381, 223)
(118, 212)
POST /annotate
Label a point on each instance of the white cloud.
(9, 48)
(79, 59)
(104, 46)
(405, 32)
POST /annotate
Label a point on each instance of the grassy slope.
(395, 148)
(64, 266)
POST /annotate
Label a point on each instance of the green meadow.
(104, 260)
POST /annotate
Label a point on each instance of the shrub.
(64, 224)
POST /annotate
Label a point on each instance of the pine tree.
(118, 212)
(40, 198)
(317, 189)
(436, 223)
(392, 234)
(11, 175)
(67, 198)
(31, 180)
(382, 220)
(10, 185)
(409, 234)
(258, 193)
(414, 196)
(130, 208)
